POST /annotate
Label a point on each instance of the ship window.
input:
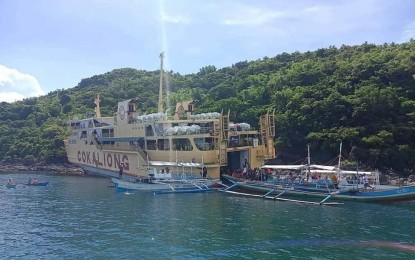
(149, 130)
(182, 144)
(83, 134)
(159, 129)
(105, 133)
(204, 144)
(108, 132)
(163, 144)
(131, 108)
(151, 145)
(75, 125)
(233, 141)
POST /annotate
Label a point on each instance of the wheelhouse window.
(182, 144)
(163, 144)
(108, 132)
(204, 144)
(76, 125)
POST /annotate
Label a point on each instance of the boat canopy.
(160, 163)
(298, 167)
(323, 167)
(355, 172)
(341, 172)
(178, 164)
(314, 168)
(285, 167)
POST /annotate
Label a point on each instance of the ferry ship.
(206, 144)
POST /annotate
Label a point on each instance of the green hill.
(361, 95)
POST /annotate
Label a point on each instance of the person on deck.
(121, 171)
(366, 182)
(335, 181)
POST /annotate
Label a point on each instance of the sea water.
(85, 218)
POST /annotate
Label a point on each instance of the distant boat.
(38, 184)
(11, 185)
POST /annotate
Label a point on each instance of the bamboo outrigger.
(278, 197)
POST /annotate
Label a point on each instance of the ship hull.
(164, 186)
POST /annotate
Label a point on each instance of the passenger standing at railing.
(366, 182)
(334, 181)
(121, 171)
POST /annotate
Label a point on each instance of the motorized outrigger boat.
(166, 183)
(352, 185)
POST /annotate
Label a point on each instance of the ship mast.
(160, 108)
(97, 107)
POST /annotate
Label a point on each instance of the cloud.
(248, 15)
(193, 50)
(15, 85)
(177, 19)
(409, 32)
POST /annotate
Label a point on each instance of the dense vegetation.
(361, 95)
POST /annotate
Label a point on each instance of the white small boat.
(147, 184)
(164, 183)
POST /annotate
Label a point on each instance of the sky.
(53, 44)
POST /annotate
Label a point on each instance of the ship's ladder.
(263, 128)
(271, 121)
(267, 130)
(94, 141)
(225, 127)
(223, 140)
(223, 156)
(141, 154)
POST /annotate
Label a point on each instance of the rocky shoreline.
(71, 169)
(64, 168)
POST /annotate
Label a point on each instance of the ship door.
(237, 160)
